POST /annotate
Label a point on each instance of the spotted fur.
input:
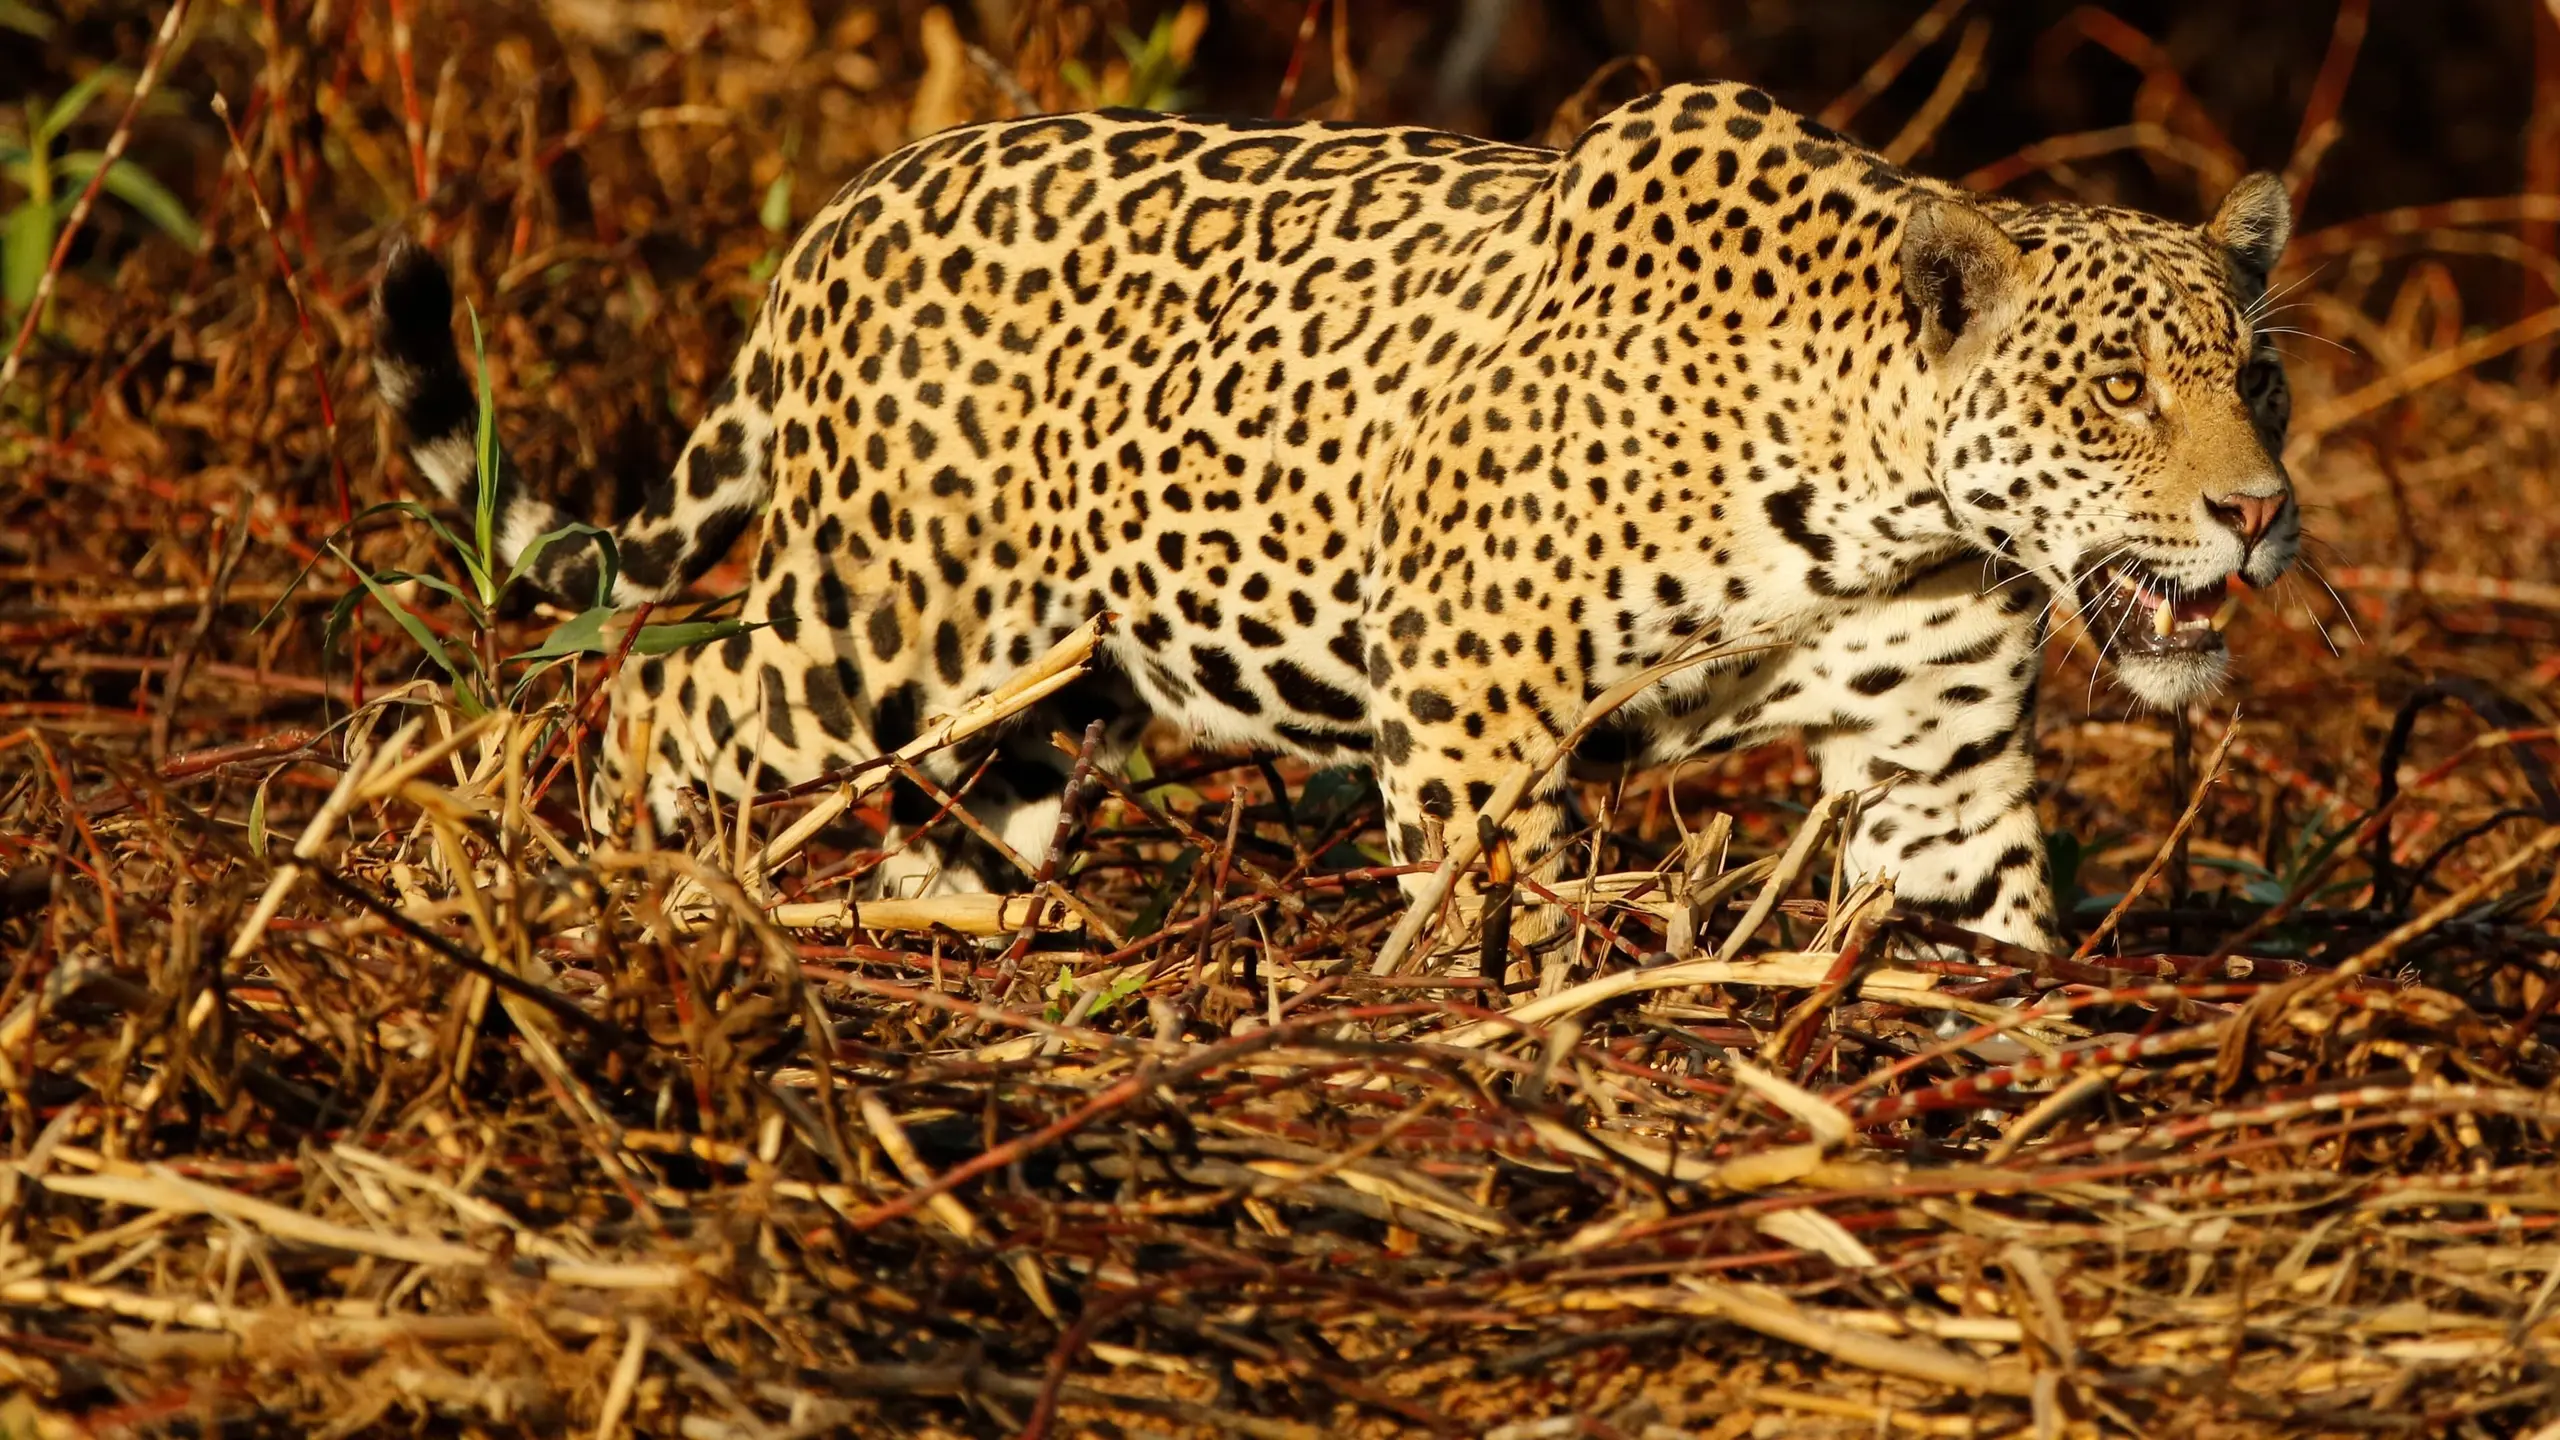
(1396, 445)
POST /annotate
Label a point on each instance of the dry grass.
(350, 1089)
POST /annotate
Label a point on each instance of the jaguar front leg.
(1431, 791)
(1446, 742)
(1941, 727)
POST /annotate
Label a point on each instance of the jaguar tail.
(685, 525)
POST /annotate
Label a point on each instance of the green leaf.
(1120, 989)
(135, 187)
(26, 247)
(258, 818)
(580, 634)
(532, 676)
(1137, 768)
(418, 632)
(2230, 864)
(484, 497)
(1330, 793)
(667, 639)
(776, 212)
(25, 19)
(436, 583)
(605, 571)
(75, 101)
(415, 511)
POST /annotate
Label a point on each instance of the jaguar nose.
(2250, 512)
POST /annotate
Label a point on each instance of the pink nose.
(2251, 515)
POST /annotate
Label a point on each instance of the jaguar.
(1395, 446)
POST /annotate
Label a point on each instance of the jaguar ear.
(1963, 275)
(2255, 220)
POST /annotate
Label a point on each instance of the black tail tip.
(416, 366)
(413, 305)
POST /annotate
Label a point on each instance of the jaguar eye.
(2122, 389)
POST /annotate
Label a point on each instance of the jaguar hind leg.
(1019, 792)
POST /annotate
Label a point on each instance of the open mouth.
(2137, 615)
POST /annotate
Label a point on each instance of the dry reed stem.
(1880, 74)
(1963, 68)
(117, 140)
(1044, 677)
(2168, 844)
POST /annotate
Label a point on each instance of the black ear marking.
(1963, 274)
(2254, 222)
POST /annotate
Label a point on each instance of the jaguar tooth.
(2222, 617)
(2164, 619)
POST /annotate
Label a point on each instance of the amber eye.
(2123, 389)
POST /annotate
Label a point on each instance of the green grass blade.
(417, 630)
(25, 19)
(135, 187)
(605, 572)
(484, 507)
(74, 102)
(580, 634)
(667, 639)
(26, 245)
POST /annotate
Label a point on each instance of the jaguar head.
(2113, 415)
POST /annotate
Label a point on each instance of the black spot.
(886, 637)
(1220, 676)
(1969, 756)
(828, 688)
(1431, 707)
(1437, 802)
(835, 605)
(894, 723)
(1395, 742)
(1609, 747)
(777, 711)
(782, 612)
(1878, 680)
(1787, 510)
(1308, 695)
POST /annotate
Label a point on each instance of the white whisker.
(2273, 294)
(2345, 611)
(2338, 346)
